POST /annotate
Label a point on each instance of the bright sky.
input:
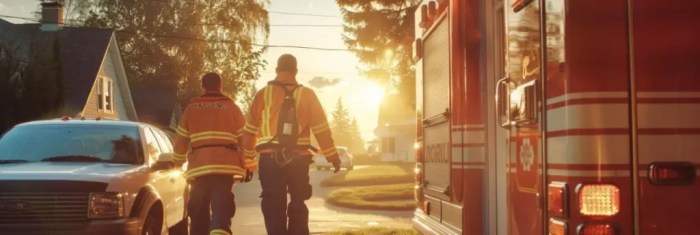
(360, 95)
(334, 72)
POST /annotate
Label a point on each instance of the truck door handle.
(503, 103)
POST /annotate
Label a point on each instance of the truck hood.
(77, 171)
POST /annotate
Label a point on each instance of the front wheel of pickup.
(151, 225)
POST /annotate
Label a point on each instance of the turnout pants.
(282, 218)
(211, 205)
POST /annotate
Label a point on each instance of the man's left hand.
(248, 176)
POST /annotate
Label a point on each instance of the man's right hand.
(336, 163)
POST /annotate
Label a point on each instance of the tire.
(150, 226)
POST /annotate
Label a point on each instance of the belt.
(233, 147)
(298, 152)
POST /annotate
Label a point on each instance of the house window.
(105, 94)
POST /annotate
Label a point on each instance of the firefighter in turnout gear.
(282, 116)
(209, 130)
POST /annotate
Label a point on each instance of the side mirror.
(165, 162)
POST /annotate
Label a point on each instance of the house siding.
(92, 109)
(91, 105)
(108, 70)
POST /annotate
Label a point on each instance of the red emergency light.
(597, 229)
(557, 199)
(672, 173)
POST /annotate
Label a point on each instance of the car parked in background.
(90, 177)
(345, 160)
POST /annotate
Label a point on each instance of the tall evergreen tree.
(341, 124)
(357, 144)
(381, 34)
(345, 130)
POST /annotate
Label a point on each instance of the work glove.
(335, 160)
(248, 176)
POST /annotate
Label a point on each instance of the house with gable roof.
(88, 65)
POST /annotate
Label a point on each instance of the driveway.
(322, 217)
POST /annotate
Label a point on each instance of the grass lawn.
(373, 175)
(375, 231)
(380, 197)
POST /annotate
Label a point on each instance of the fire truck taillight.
(557, 227)
(597, 229)
(557, 199)
(598, 199)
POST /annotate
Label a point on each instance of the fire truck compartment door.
(436, 109)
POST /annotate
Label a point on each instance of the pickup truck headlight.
(105, 205)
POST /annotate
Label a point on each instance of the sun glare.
(372, 95)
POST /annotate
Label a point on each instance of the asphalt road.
(322, 217)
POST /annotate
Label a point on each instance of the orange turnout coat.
(208, 136)
(261, 126)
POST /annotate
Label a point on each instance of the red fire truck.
(558, 117)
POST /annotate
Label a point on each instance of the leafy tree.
(30, 79)
(176, 42)
(381, 34)
(345, 131)
(245, 100)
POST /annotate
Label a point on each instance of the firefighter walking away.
(210, 127)
(282, 116)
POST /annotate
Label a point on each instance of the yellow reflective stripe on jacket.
(297, 100)
(329, 152)
(249, 153)
(249, 128)
(266, 112)
(320, 128)
(304, 141)
(215, 169)
(181, 157)
(214, 133)
(250, 163)
(219, 232)
(181, 131)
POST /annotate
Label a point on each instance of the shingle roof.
(82, 51)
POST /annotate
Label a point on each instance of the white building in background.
(396, 141)
(396, 130)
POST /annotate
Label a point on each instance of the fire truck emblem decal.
(526, 155)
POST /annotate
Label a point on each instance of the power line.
(306, 25)
(384, 11)
(193, 38)
(303, 14)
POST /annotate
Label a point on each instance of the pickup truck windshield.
(71, 143)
